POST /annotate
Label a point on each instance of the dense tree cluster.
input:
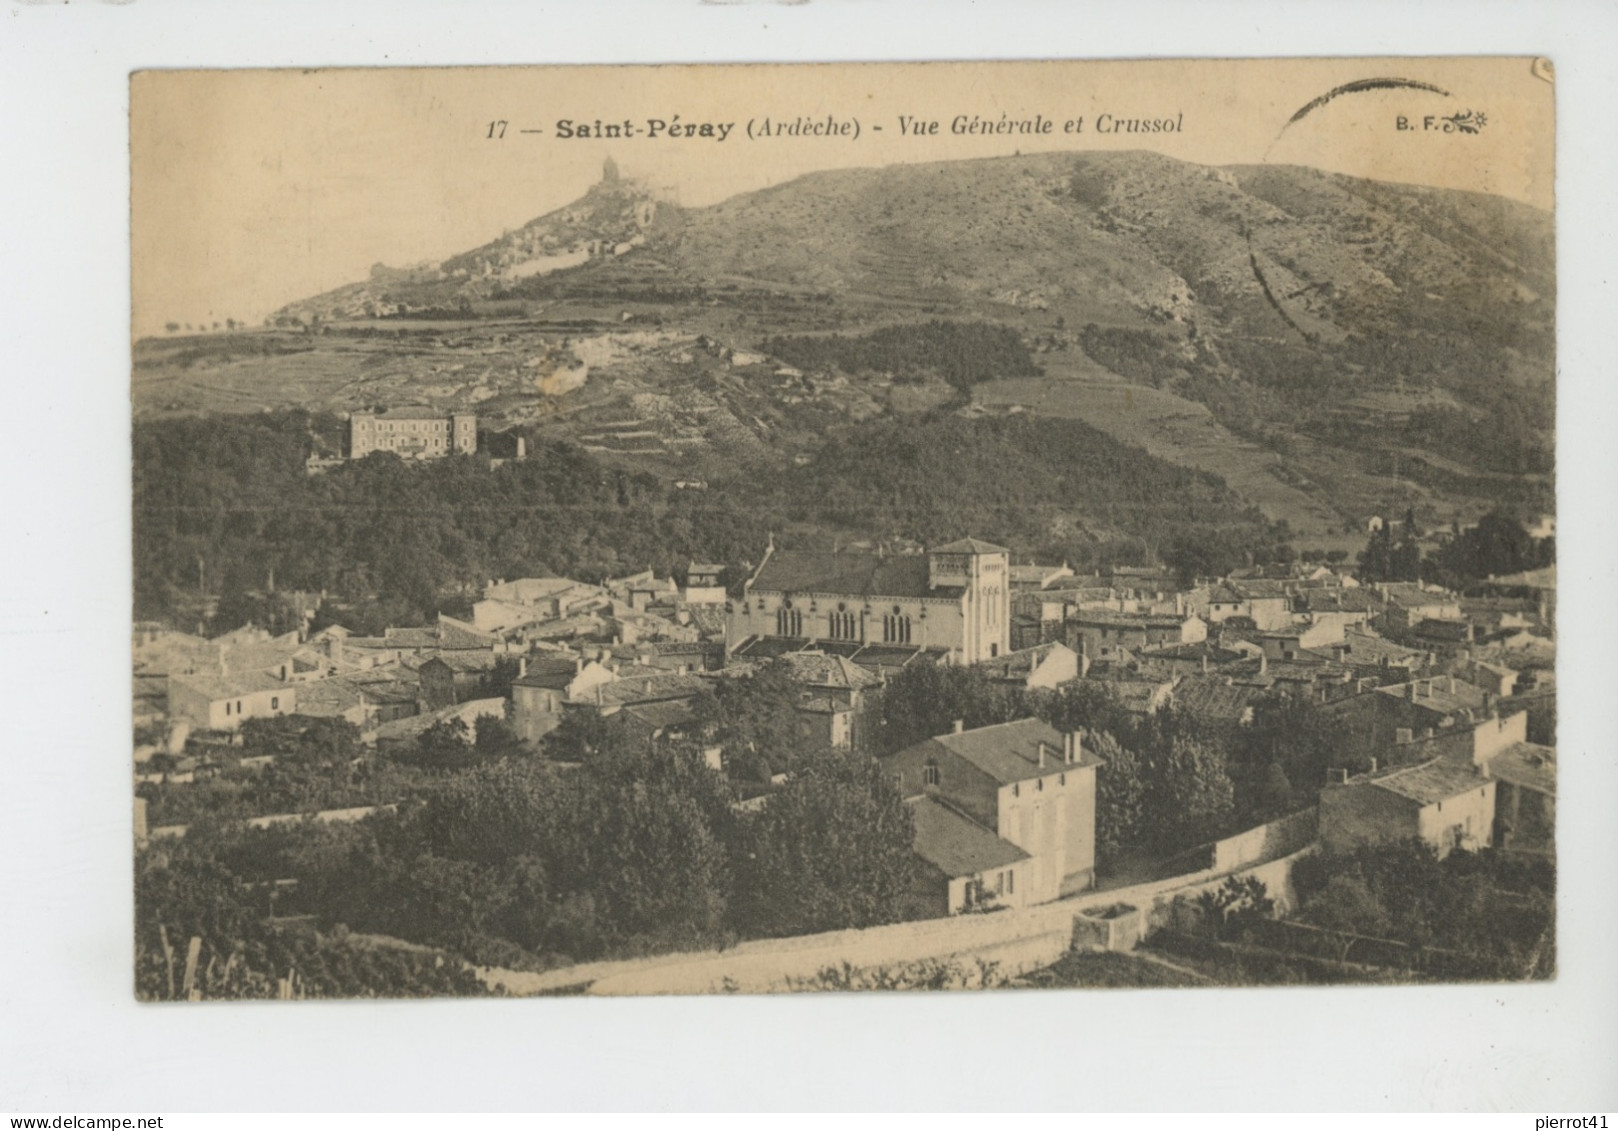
(316, 764)
(495, 856)
(223, 508)
(962, 353)
(1499, 545)
(1498, 906)
(1017, 481)
(1168, 782)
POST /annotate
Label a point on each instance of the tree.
(1120, 793)
(1191, 798)
(830, 850)
(496, 682)
(754, 718)
(1497, 545)
(1347, 904)
(446, 745)
(581, 735)
(494, 737)
(924, 700)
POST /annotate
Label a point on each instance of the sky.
(254, 188)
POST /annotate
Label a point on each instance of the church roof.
(853, 574)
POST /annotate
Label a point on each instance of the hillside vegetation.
(223, 508)
(1390, 346)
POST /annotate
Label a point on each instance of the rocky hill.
(1362, 343)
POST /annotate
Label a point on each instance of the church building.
(954, 599)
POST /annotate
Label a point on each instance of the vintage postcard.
(756, 528)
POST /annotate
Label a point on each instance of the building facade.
(1022, 783)
(412, 433)
(955, 598)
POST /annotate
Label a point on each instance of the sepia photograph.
(746, 529)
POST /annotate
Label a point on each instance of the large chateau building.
(412, 433)
(955, 599)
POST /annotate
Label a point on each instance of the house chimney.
(522, 666)
(1373, 766)
(1410, 691)
(1337, 776)
(1041, 746)
(957, 726)
(1070, 747)
(1204, 662)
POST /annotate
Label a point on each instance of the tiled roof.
(1340, 601)
(1526, 764)
(1013, 665)
(639, 688)
(854, 574)
(706, 619)
(1446, 696)
(970, 546)
(1362, 647)
(412, 412)
(1211, 697)
(769, 647)
(1192, 652)
(1260, 589)
(1429, 782)
(1110, 619)
(884, 658)
(1009, 752)
(657, 716)
(956, 845)
(461, 660)
(458, 634)
(329, 697)
(411, 637)
(217, 687)
(548, 673)
(821, 670)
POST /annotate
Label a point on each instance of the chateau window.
(896, 629)
(275, 702)
(842, 625)
(788, 622)
(1011, 882)
(929, 773)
